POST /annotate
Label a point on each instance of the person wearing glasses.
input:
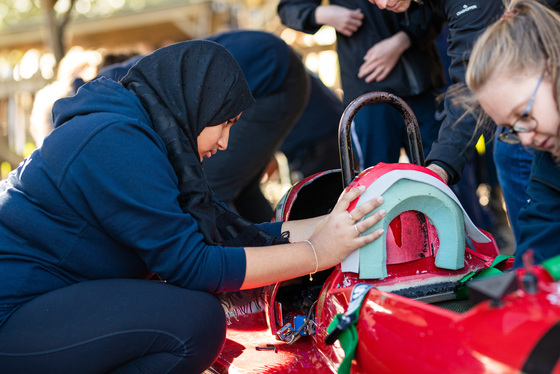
(467, 19)
(116, 193)
(514, 76)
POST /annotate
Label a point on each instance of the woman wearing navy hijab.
(117, 193)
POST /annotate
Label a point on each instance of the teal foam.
(442, 212)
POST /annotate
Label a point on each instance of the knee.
(206, 332)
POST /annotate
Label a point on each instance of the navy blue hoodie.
(99, 200)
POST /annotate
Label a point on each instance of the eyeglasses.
(524, 123)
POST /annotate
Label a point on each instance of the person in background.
(312, 145)
(281, 86)
(379, 51)
(76, 66)
(514, 76)
(479, 169)
(117, 193)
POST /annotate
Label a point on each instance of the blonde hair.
(526, 38)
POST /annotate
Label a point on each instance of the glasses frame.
(509, 134)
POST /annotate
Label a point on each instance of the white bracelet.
(316, 259)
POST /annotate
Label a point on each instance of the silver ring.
(358, 231)
(352, 218)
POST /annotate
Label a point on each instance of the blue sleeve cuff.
(234, 271)
(273, 228)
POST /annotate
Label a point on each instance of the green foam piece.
(442, 212)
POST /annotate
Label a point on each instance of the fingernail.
(380, 231)
(380, 199)
(361, 188)
(382, 212)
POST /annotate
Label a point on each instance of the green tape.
(552, 265)
(462, 292)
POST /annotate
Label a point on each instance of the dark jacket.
(539, 220)
(466, 20)
(419, 69)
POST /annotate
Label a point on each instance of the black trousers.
(114, 326)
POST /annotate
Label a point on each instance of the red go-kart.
(433, 295)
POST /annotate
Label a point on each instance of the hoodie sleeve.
(299, 15)
(122, 183)
(457, 137)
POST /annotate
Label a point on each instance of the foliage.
(21, 13)
(18, 12)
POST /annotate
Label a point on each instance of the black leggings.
(114, 326)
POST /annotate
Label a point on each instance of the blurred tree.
(55, 23)
(56, 15)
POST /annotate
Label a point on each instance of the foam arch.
(442, 211)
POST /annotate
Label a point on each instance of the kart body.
(414, 319)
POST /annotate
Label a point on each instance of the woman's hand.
(380, 59)
(339, 234)
(345, 21)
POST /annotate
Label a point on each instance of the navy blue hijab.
(184, 88)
